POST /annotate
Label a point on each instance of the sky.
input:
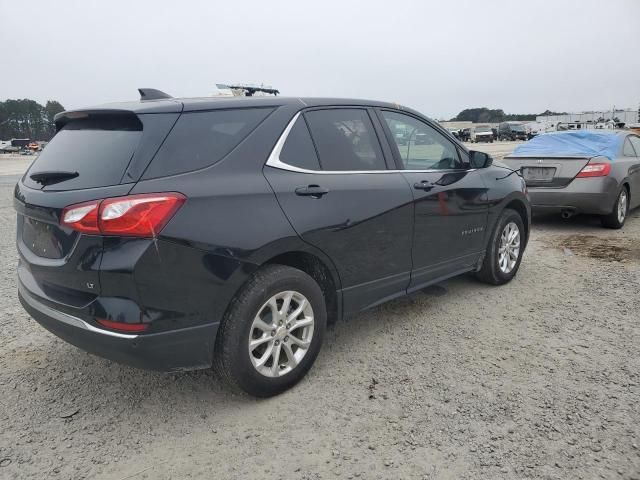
(438, 57)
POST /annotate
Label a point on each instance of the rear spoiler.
(62, 118)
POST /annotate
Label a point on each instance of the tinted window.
(98, 148)
(298, 150)
(635, 141)
(200, 139)
(420, 146)
(345, 139)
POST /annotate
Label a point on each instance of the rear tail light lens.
(595, 170)
(82, 217)
(134, 216)
(122, 326)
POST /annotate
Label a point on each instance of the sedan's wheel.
(504, 252)
(618, 215)
(281, 334)
(272, 332)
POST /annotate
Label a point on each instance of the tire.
(620, 211)
(491, 271)
(233, 358)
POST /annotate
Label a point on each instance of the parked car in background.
(465, 134)
(174, 234)
(455, 132)
(483, 133)
(587, 171)
(533, 129)
(511, 131)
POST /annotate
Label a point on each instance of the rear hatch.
(551, 172)
(94, 154)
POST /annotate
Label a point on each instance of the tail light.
(595, 170)
(141, 215)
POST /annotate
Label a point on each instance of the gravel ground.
(536, 379)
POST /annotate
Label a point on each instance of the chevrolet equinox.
(178, 234)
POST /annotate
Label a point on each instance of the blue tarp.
(583, 143)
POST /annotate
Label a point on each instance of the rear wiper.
(49, 178)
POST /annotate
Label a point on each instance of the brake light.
(141, 215)
(122, 326)
(595, 170)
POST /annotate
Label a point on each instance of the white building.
(627, 116)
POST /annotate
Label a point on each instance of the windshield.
(517, 128)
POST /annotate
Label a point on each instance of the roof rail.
(152, 94)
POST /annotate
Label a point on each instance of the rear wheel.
(272, 333)
(504, 252)
(618, 215)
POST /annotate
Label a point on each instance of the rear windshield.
(98, 149)
(200, 139)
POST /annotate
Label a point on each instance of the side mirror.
(480, 159)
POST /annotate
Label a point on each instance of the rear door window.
(345, 139)
(98, 149)
(200, 139)
(298, 150)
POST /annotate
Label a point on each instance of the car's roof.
(598, 131)
(223, 102)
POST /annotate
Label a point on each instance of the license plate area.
(44, 239)
(538, 174)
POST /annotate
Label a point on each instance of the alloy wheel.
(622, 205)
(509, 248)
(281, 334)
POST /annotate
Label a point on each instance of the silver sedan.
(596, 172)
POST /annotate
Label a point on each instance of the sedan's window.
(627, 149)
(298, 150)
(635, 141)
(345, 139)
(420, 146)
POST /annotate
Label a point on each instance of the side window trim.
(396, 151)
(274, 160)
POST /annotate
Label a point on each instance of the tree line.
(26, 118)
(487, 115)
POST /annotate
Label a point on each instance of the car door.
(634, 172)
(331, 178)
(450, 199)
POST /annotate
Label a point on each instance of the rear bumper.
(582, 195)
(176, 350)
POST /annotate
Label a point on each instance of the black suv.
(176, 234)
(512, 131)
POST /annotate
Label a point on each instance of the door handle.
(314, 191)
(423, 185)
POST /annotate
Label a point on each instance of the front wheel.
(505, 249)
(618, 215)
(272, 332)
